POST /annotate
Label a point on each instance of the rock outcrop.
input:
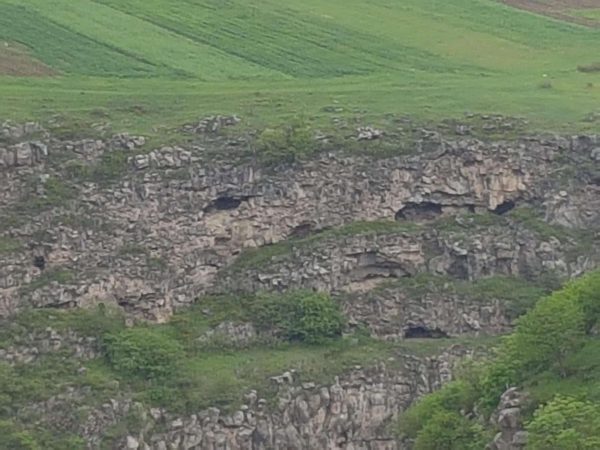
(507, 419)
(110, 221)
(395, 313)
(160, 234)
(354, 412)
(30, 347)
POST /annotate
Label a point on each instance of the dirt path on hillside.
(16, 61)
(559, 9)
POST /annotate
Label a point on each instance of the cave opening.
(419, 211)
(39, 262)
(420, 332)
(302, 230)
(505, 207)
(225, 203)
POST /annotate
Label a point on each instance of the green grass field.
(147, 63)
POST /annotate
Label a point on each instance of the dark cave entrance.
(225, 203)
(302, 230)
(505, 207)
(419, 332)
(419, 211)
(39, 262)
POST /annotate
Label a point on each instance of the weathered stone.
(132, 443)
(193, 223)
(508, 419)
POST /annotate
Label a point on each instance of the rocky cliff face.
(173, 222)
(508, 420)
(355, 412)
(151, 230)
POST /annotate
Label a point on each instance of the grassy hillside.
(174, 60)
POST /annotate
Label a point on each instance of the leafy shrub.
(588, 293)
(286, 143)
(11, 438)
(565, 424)
(145, 352)
(450, 431)
(459, 395)
(319, 318)
(298, 316)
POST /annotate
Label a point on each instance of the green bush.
(12, 438)
(286, 143)
(459, 395)
(298, 316)
(450, 431)
(319, 318)
(145, 352)
(565, 423)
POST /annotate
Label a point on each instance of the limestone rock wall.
(30, 347)
(355, 412)
(158, 238)
(507, 419)
(393, 314)
(359, 263)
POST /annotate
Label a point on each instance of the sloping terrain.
(277, 225)
(15, 61)
(325, 289)
(174, 60)
(585, 12)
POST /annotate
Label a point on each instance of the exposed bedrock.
(361, 262)
(395, 313)
(354, 412)
(158, 238)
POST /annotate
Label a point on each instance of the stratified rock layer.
(158, 238)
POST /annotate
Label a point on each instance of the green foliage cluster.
(286, 143)
(451, 431)
(144, 352)
(298, 316)
(565, 423)
(9, 245)
(111, 167)
(13, 437)
(553, 351)
(546, 338)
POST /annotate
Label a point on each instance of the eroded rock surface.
(354, 412)
(158, 238)
(508, 420)
(151, 229)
